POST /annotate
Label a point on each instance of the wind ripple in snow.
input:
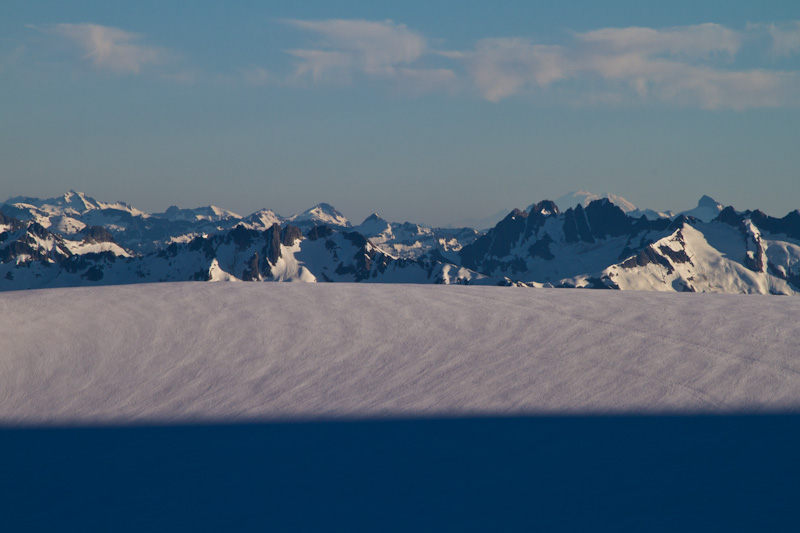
(195, 351)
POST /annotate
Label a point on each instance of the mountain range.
(580, 240)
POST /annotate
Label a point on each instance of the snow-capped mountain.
(320, 214)
(72, 203)
(76, 240)
(70, 214)
(262, 219)
(33, 257)
(210, 213)
(601, 247)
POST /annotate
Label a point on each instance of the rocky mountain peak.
(707, 201)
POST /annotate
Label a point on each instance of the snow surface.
(209, 351)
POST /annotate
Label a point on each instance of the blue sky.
(434, 112)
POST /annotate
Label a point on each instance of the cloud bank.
(687, 66)
(696, 66)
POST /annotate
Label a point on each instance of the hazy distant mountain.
(707, 209)
(75, 240)
(584, 198)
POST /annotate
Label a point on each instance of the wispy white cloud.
(688, 41)
(687, 66)
(110, 48)
(785, 38)
(501, 67)
(345, 46)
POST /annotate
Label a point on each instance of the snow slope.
(234, 351)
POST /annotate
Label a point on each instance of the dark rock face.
(754, 262)
(541, 248)
(754, 259)
(570, 226)
(788, 225)
(251, 271)
(243, 237)
(497, 242)
(607, 220)
(39, 230)
(205, 244)
(356, 238)
(507, 233)
(272, 248)
(95, 273)
(319, 232)
(97, 234)
(646, 257)
(730, 217)
(76, 263)
(290, 235)
(576, 227)
(677, 256)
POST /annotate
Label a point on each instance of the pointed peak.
(374, 217)
(707, 201)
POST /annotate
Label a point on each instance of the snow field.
(175, 352)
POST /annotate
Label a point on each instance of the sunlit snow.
(200, 351)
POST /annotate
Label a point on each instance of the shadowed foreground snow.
(195, 351)
(78, 365)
